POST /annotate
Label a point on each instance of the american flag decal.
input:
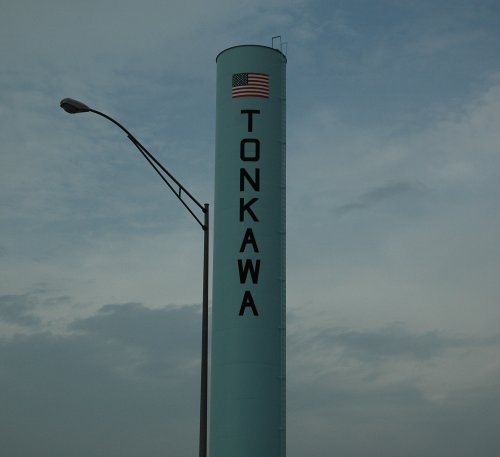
(250, 85)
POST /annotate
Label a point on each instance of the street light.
(74, 106)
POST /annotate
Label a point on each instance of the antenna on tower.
(282, 45)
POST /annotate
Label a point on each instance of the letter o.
(243, 150)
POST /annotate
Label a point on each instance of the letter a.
(249, 238)
(248, 302)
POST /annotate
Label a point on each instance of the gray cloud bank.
(378, 195)
(124, 382)
(389, 391)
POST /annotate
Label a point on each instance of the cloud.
(392, 421)
(353, 392)
(167, 338)
(25, 309)
(379, 194)
(392, 341)
(124, 381)
(18, 309)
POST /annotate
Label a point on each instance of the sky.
(393, 223)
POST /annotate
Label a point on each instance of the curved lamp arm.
(74, 106)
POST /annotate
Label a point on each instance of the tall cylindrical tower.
(248, 327)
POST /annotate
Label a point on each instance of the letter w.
(249, 267)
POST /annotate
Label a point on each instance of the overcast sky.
(393, 223)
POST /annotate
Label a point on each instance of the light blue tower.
(247, 402)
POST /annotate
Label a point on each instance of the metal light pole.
(74, 106)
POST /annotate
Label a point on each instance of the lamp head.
(74, 106)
